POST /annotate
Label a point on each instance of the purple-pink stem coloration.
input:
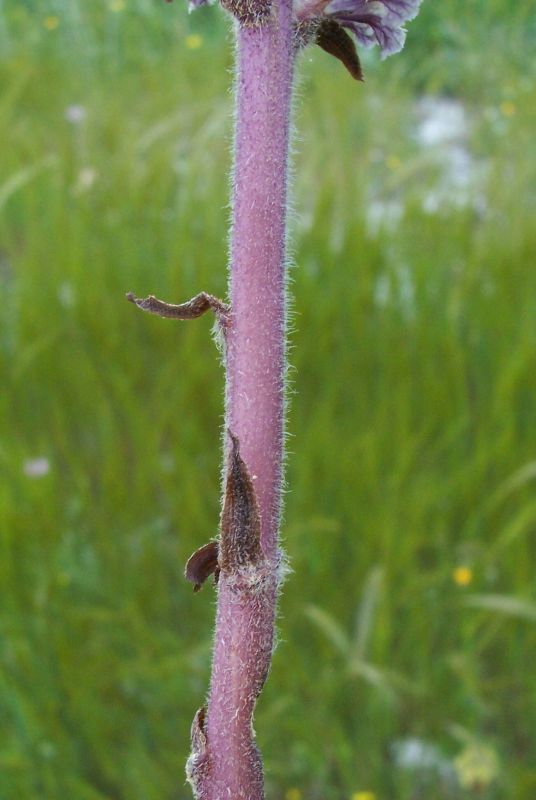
(255, 363)
(255, 340)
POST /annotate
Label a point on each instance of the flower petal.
(375, 21)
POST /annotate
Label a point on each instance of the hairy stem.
(256, 339)
(225, 762)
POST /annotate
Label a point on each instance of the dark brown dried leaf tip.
(197, 732)
(240, 538)
(202, 564)
(332, 38)
(192, 309)
(198, 764)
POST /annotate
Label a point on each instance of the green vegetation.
(409, 625)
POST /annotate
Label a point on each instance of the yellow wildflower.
(462, 575)
(51, 23)
(363, 796)
(194, 41)
(477, 766)
(394, 163)
(293, 794)
(507, 108)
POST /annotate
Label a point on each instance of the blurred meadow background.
(405, 668)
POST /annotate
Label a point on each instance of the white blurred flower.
(36, 467)
(66, 294)
(75, 113)
(85, 180)
(417, 755)
(414, 753)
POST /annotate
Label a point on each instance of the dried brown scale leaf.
(332, 38)
(198, 764)
(198, 735)
(202, 564)
(192, 309)
(240, 531)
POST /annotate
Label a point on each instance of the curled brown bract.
(202, 564)
(192, 309)
(332, 38)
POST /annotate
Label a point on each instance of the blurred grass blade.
(392, 683)
(520, 478)
(504, 604)
(22, 177)
(521, 525)
(330, 628)
(366, 611)
(373, 675)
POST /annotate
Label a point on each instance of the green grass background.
(412, 447)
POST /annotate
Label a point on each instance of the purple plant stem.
(254, 398)
(255, 342)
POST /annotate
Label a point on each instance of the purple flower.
(375, 21)
(371, 21)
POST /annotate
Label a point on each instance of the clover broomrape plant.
(246, 560)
